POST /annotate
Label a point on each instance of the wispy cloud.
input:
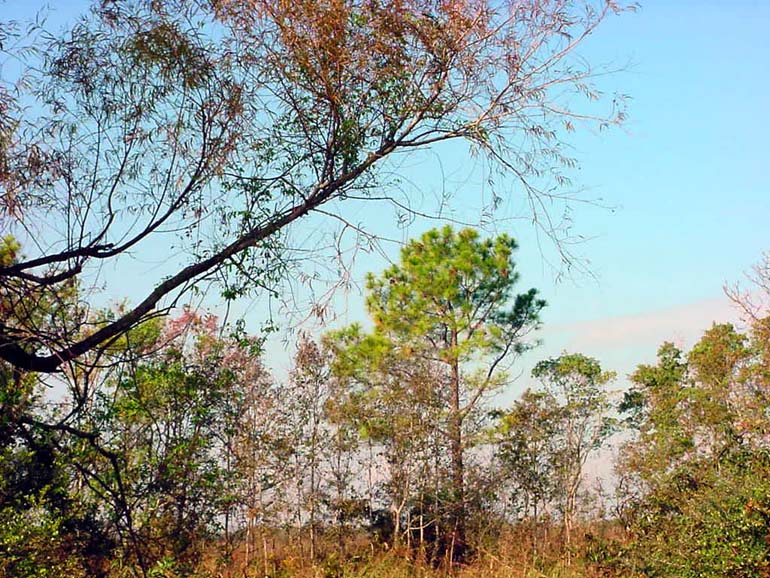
(622, 343)
(681, 324)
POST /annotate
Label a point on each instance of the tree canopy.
(211, 128)
(449, 303)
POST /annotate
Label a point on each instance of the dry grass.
(521, 553)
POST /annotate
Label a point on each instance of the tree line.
(148, 440)
(187, 457)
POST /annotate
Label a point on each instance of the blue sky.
(686, 177)
(689, 176)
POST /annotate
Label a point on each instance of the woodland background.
(141, 435)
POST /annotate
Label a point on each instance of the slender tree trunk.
(457, 518)
(313, 499)
(422, 533)
(574, 473)
(396, 511)
(408, 531)
(265, 557)
(569, 515)
(340, 515)
(535, 527)
(250, 528)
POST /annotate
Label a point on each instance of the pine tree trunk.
(457, 518)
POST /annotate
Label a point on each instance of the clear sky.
(689, 175)
(686, 177)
